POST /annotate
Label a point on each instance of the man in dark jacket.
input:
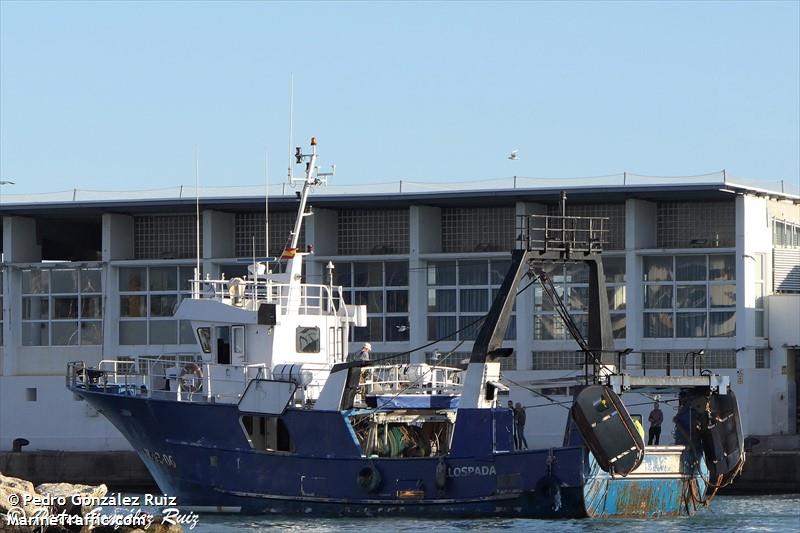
(519, 420)
(656, 418)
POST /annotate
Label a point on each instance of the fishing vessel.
(274, 416)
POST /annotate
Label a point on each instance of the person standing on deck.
(519, 421)
(514, 424)
(656, 418)
(363, 353)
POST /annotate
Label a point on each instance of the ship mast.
(313, 177)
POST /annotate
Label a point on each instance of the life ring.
(369, 478)
(191, 378)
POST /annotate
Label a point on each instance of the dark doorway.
(224, 345)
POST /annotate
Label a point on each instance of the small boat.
(275, 417)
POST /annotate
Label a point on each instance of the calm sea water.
(727, 513)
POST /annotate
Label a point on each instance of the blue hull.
(199, 453)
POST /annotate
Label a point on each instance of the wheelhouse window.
(307, 339)
(204, 337)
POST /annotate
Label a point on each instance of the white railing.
(178, 377)
(309, 299)
(411, 379)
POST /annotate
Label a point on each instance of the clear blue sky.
(114, 96)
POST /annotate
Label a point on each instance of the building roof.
(605, 189)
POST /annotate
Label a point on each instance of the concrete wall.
(55, 421)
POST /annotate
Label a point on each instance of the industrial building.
(706, 263)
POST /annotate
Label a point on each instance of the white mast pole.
(291, 121)
(197, 213)
(266, 208)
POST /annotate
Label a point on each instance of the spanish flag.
(288, 253)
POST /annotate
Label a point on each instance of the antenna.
(291, 121)
(197, 208)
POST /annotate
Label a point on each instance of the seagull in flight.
(514, 155)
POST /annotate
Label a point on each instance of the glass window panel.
(442, 273)
(658, 296)
(91, 280)
(307, 340)
(133, 306)
(578, 298)
(64, 333)
(474, 300)
(185, 276)
(721, 267)
(132, 332)
(35, 307)
(367, 274)
(548, 327)
(204, 336)
(396, 273)
(690, 324)
(577, 273)
(511, 332)
(691, 296)
(722, 295)
(343, 275)
(132, 279)
(722, 324)
(495, 292)
(472, 323)
(65, 307)
(238, 271)
(372, 333)
(397, 301)
(442, 300)
(91, 333)
(472, 273)
(690, 268)
(498, 270)
(63, 281)
(616, 297)
(35, 334)
(582, 322)
(657, 268)
(163, 278)
(760, 323)
(441, 327)
(555, 272)
(35, 282)
(397, 328)
(372, 299)
(163, 305)
(91, 307)
(163, 332)
(618, 325)
(614, 269)
(542, 301)
(658, 325)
